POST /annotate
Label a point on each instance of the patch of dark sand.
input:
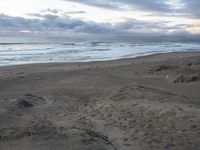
(20, 75)
(29, 100)
(197, 63)
(90, 135)
(187, 79)
(162, 68)
(189, 64)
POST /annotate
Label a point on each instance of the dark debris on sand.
(187, 79)
(29, 100)
(162, 68)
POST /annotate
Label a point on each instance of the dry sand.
(146, 103)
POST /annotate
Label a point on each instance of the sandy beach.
(145, 103)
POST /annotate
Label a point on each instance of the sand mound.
(43, 135)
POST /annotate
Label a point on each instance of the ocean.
(28, 50)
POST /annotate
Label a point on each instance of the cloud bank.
(155, 5)
(163, 6)
(49, 23)
(192, 7)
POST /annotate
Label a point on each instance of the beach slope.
(144, 103)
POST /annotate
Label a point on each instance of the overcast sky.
(100, 17)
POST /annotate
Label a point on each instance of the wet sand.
(144, 103)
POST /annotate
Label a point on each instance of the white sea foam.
(25, 51)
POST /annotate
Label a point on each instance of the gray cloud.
(75, 12)
(150, 5)
(52, 23)
(192, 7)
(98, 3)
(55, 11)
(155, 5)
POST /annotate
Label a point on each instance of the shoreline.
(99, 61)
(148, 102)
